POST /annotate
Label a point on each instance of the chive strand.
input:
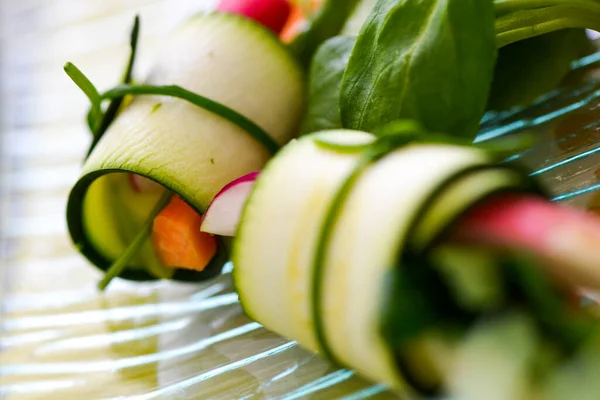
(120, 263)
(133, 42)
(203, 102)
(526, 24)
(519, 34)
(88, 88)
(115, 104)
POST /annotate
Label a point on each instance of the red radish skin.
(272, 14)
(567, 239)
(223, 215)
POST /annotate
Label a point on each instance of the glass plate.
(59, 338)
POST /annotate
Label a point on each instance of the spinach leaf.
(327, 23)
(429, 60)
(326, 72)
(532, 67)
(358, 17)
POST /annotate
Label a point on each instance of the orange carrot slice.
(294, 24)
(177, 239)
(297, 19)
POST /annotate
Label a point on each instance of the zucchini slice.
(335, 306)
(370, 232)
(274, 249)
(189, 150)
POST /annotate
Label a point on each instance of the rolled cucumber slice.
(370, 232)
(189, 150)
(274, 255)
(274, 251)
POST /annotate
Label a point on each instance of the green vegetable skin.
(363, 243)
(189, 150)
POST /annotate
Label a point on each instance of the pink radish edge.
(224, 212)
(273, 14)
(566, 240)
(139, 184)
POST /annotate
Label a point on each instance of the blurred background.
(59, 338)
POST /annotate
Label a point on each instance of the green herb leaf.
(115, 104)
(203, 102)
(327, 23)
(326, 72)
(358, 18)
(430, 60)
(133, 42)
(121, 263)
(407, 300)
(88, 88)
(569, 327)
(527, 69)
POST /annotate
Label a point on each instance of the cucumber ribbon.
(100, 119)
(407, 311)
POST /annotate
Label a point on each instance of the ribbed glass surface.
(59, 338)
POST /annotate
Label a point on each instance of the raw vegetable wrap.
(239, 66)
(346, 256)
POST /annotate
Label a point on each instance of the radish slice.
(143, 185)
(568, 239)
(224, 213)
(272, 14)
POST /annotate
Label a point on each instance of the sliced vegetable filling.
(366, 264)
(229, 126)
(177, 238)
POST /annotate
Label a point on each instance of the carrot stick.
(298, 18)
(177, 239)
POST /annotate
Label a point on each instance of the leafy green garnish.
(120, 263)
(328, 22)
(98, 129)
(529, 68)
(88, 88)
(114, 106)
(133, 41)
(326, 73)
(431, 60)
(473, 276)
(116, 95)
(569, 327)
(203, 102)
